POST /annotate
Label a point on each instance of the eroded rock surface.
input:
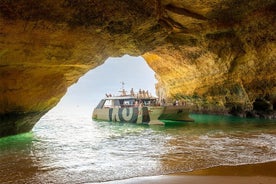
(216, 55)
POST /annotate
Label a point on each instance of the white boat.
(126, 109)
(140, 108)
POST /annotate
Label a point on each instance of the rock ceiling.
(216, 55)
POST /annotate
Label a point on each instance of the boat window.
(128, 102)
(100, 105)
(116, 103)
(108, 104)
(146, 102)
(121, 102)
(149, 101)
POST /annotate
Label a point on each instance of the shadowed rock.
(214, 55)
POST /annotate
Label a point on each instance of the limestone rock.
(216, 55)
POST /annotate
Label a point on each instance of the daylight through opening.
(107, 78)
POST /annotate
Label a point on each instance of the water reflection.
(65, 149)
(17, 162)
(218, 140)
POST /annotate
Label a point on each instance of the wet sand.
(263, 173)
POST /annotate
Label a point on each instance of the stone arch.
(46, 46)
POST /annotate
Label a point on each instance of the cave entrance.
(107, 78)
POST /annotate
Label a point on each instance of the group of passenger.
(146, 94)
(108, 95)
(140, 94)
(177, 103)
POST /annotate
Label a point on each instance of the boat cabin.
(125, 101)
(112, 102)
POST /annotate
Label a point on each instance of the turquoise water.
(71, 148)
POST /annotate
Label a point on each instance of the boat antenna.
(123, 89)
(122, 85)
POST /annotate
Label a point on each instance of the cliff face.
(219, 56)
(215, 55)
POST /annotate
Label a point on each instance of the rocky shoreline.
(243, 114)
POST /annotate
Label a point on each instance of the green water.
(74, 149)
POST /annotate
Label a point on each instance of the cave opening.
(262, 105)
(84, 95)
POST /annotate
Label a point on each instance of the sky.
(106, 78)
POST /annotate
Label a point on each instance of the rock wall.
(215, 55)
(219, 57)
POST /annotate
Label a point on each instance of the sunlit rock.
(216, 56)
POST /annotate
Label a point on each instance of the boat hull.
(145, 115)
(176, 113)
(154, 114)
(138, 115)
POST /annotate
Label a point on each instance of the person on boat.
(108, 95)
(132, 92)
(143, 94)
(147, 94)
(140, 93)
(123, 92)
(136, 104)
(141, 104)
(163, 102)
(183, 103)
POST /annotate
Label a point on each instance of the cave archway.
(216, 49)
(85, 94)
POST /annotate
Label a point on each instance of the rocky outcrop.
(219, 57)
(214, 55)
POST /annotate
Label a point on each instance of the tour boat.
(126, 109)
(141, 108)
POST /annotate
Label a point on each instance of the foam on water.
(74, 149)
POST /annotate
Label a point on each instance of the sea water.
(72, 148)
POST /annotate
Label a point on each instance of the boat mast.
(123, 85)
(123, 91)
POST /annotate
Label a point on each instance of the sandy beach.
(263, 173)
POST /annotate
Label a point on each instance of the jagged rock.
(215, 55)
